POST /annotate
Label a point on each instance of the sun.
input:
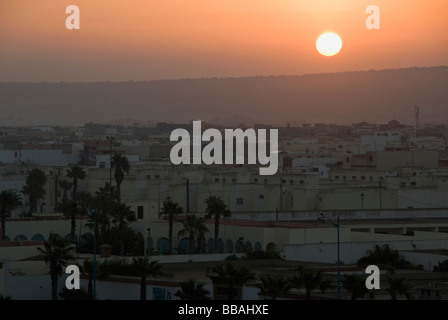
(328, 44)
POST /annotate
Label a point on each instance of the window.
(239, 201)
(261, 196)
(291, 182)
(140, 212)
(216, 179)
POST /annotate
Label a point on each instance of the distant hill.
(346, 97)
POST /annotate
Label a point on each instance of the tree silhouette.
(397, 286)
(34, 187)
(8, 201)
(272, 285)
(170, 209)
(192, 290)
(145, 268)
(70, 209)
(121, 165)
(232, 277)
(87, 268)
(57, 253)
(310, 280)
(76, 173)
(216, 208)
(355, 284)
(193, 226)
(65, 186)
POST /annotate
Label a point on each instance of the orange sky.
(171, 39)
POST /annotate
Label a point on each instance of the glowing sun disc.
(328, 44)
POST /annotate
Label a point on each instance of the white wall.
(48, 158)
(350, 253)
(28, 287)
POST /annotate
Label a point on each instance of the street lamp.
(336, 224)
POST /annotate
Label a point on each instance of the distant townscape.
(344, 197)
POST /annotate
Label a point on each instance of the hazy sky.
(171, 39)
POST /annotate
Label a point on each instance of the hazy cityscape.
(385, 184)
(224, 151)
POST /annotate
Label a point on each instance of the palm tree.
(144, 268)
(397, 286)
(76, 173)
(66, 186)
(70, 208)
(170, 209)
(355, 284)
(34, 187)
(121, 165)
(231, 277)
(193, 226)
(385, 258)
(272, 285)
(87, 268)
(57, 252)
(216, 208)
(310, 280)
(8, 201)
(192, 290)
(121, 216)
(85, 202)
(103, 202)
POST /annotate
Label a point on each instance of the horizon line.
(221, 77)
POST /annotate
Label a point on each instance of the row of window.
(163, 244)
(363, 178)
(206, 246)
(344, 178)
(265, 181)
